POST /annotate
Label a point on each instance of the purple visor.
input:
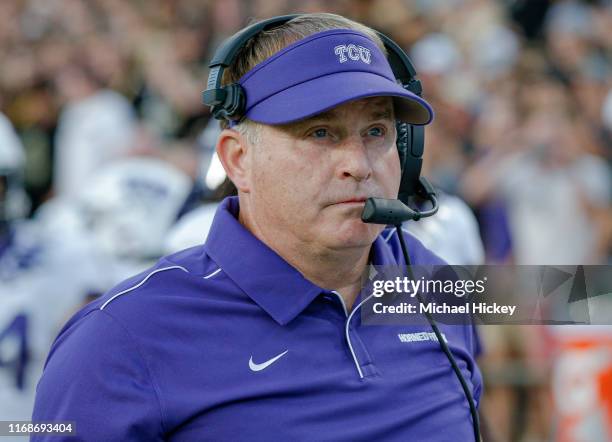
(323, 71)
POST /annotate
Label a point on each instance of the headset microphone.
(384, 211)
(395, 211)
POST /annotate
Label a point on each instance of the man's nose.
(355, 161)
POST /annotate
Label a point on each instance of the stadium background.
(523, 98)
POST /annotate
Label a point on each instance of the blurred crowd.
(523, 136)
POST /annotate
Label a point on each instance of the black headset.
(228, 103)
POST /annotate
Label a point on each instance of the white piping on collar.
(134, 287)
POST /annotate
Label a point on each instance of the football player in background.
(70, 252)
(124, 214)
(38, 285)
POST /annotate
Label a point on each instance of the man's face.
(309, 180)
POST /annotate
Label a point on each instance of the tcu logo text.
(354, 52)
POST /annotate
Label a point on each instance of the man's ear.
(232, 150)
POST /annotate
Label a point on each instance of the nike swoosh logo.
(258, 367)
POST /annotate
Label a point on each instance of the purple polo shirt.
(228, 342)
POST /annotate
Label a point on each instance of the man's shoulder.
(419, 254)
(182, 274)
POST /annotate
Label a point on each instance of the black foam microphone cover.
(386, 211)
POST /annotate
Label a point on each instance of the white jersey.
(72, 250)
(452, 233)
(191, 230)
(41, 284)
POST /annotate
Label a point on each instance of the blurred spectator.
(96, 125)
(549, 186)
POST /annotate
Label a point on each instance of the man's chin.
(355, 233)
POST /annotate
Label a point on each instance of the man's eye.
(319, 133)
(376, 132)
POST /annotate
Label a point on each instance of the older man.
(254, 335)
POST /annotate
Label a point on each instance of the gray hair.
(249, 129)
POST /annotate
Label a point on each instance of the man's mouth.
(356, 200)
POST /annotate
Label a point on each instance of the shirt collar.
(277, 287)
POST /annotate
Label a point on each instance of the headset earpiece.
(412, 144)
(410, 138)
(227, 103)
